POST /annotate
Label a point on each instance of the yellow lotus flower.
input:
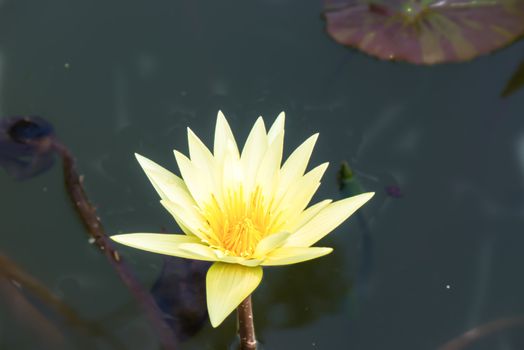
(242, 210)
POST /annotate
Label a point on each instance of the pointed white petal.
(236, 259)
(187, 217)
(175, 245)
(227, 285)
(311, 212)
(224, 140)
(199, 154)
(232, 173)
(205, 165)
(199, 251)
(293, 255)
(253, 152)
(299, 194)
(168, 185)
(276, 128)
(327, 220)
(251, 262)
(269, 169)
(295, 166)
(270, 243)
(197, 181)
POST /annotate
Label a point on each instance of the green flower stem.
(246, 326)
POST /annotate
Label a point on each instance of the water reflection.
(317, 289)
(350, 185)
(180, 293)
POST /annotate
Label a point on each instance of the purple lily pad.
(425, 31)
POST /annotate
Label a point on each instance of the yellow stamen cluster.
(240, 222)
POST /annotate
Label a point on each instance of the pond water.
(437, 252)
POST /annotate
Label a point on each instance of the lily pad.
(425, 31)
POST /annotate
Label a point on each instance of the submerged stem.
(246, 326)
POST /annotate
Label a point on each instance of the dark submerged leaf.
(180, 292)
(25, 146)
(516, 82)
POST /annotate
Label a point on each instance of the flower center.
(238, 223)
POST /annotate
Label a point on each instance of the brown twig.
(87, 212)
(246, 327)
(481, 331)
